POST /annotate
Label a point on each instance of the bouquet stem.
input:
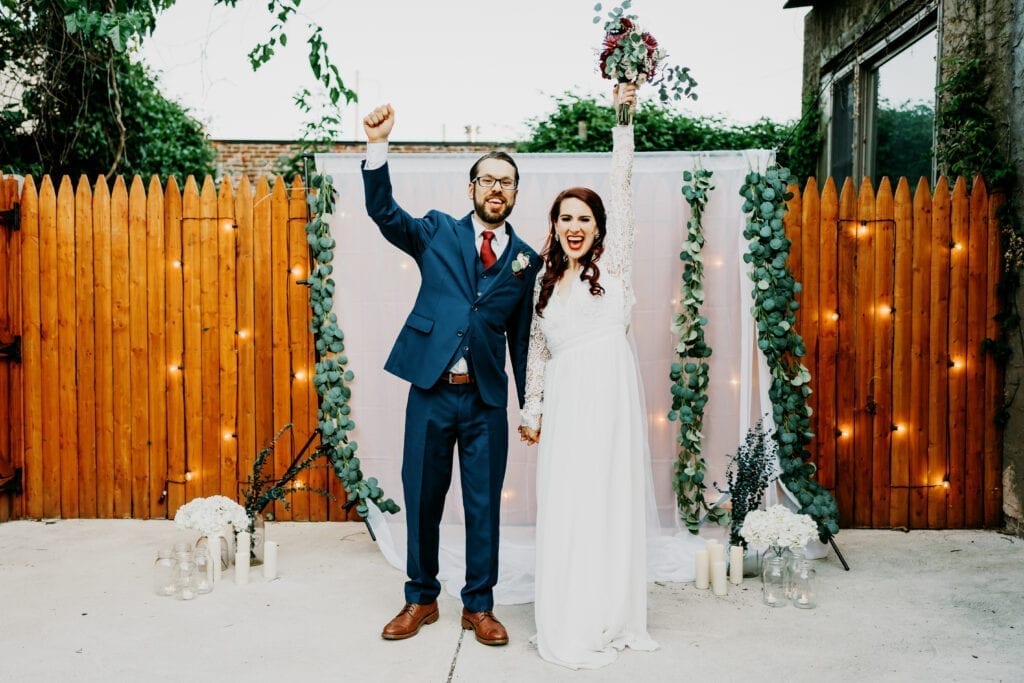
(623, 110)
(625, 114)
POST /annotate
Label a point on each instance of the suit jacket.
(457, 311)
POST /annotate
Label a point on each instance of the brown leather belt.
(456, 378)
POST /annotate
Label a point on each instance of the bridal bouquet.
(211, 515)
(779, 528)
(631, 55)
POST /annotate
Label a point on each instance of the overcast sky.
(457, 63)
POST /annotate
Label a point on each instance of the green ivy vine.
(774, 311)
(689, 374)
(968, 143)
(331, 375)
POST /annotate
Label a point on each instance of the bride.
(583, 407)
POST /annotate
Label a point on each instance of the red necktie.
(486, 252)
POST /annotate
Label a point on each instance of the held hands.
(530, 436)
(378, 123)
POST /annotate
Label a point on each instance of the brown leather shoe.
(408, 622)
(488, 629)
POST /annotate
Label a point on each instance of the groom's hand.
(378, 123)
(530, 436)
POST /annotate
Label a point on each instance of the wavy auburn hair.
(556, 262)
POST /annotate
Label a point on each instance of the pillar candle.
(243, 540)
(213, 546)
(736, 564)
(716, 551)
(269, 560)
(718, 577)
(701, 568)
(242, 566)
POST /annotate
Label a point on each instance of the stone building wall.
(254, 158)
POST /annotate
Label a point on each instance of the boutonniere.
(520, 263)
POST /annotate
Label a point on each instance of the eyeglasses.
(486, 182)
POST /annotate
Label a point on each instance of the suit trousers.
(436, 420)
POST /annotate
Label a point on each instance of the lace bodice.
(580, 317)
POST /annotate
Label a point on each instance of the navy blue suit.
(461, 311)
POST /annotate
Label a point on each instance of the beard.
(488, 214)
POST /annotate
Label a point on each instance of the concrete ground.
(77, 606)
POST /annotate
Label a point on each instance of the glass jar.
(773, 579)
(259, 535)
(163, 572)
(216, 546)
(185, 578)
(804, 590)
(204, 570)
(796, 557)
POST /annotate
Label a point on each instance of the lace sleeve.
(618, 255)
(536, 363)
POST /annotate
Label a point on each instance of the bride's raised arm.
(618, 256)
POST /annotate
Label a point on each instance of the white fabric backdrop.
(376, 286)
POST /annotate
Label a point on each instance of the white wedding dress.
(591, 572)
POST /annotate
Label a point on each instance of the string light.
(242, 334)
(188, 475)
(299, 375)
(956, 246)
(176, 368)
(177, 263)
(834, 316)
(296, 271)
(230, 435)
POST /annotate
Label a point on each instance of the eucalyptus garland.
(690, 373)
(331, 375)
(774, 311)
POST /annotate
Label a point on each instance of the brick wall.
(254, 158)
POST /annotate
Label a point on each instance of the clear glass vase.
(803, 589)
(204, 570)
(773, 579)
(163, 572)
(795, 559)
(216, 546)
(258, 531)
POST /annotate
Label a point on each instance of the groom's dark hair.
(500, 156)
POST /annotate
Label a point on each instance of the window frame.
(864, 65)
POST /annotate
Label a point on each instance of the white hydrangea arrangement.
(778, 527)
(211, 515)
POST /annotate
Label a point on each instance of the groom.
(476, 291)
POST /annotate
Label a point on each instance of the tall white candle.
(243, 540)
(242, 566)
(269, 560)
(718, 577)
(736, 564)
(213, 546)
(701, 569)
(716, 551)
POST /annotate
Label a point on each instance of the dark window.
(902, 114)
(841, 142)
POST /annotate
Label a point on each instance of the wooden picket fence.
(164, 332)
(164, 340)
(899, 291)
